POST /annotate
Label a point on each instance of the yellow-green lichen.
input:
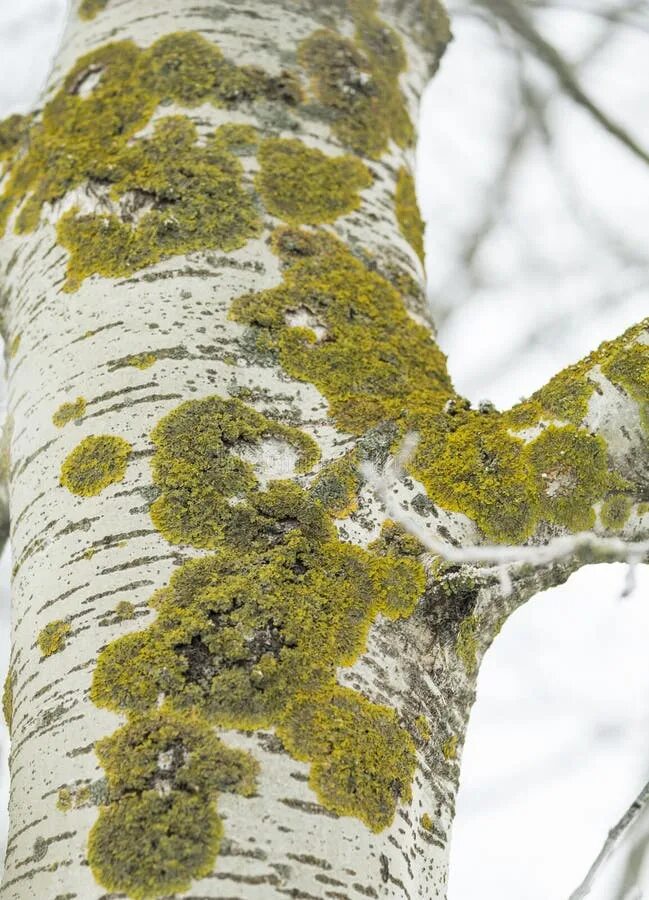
(252, 636)
(140, 360)
(426, 822)
(201, 477)
(168, 194)
(12, 132)
(14, 344)
(124, 610)
(407, 211)
(97, 462)
(337, 485)
(615, 512)
(466, 645)
(8, 697)
(90, 8)
(305, 186)
(628, 366)
(449, 747)
(375, 364)
(357, 82)
(196, 197)
(159, 828)
(361, 759)
(566, 396)
(75, 798)
(69, 412)
(423, 727)
(52, 638)
(65, 800)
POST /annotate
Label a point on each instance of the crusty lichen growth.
(90, 8)
(427, 822)
(52, 638)
(14, 344)
(357, 82)
(376, 365)
(449, 747)
(624, 361)
(160, 828)
(407, 210)
(302, 185)
(124, 610)
(8, 697)
(250, 637)
(97, 462)
(140, 360)
(615, 512)
(337, 485)
(75, 798)
(168, 194)
(197, 198)
(201, 477)
(12, 132)
(466, 645)
(69, 412)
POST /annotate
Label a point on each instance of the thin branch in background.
(615, 837)
(529, 117)
(512, 13)
(630, 15)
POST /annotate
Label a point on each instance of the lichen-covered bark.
(232, 675)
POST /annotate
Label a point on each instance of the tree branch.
(515, 17)
(615, 837)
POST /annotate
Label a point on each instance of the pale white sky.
(557, 747)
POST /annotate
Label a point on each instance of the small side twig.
(612, 549)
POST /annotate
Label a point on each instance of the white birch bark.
(77, 557)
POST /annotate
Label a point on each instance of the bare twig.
(615, 837)
(514, 15)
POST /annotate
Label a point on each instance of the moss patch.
(170, 195)
(8, 697)
(615, 512)
(69, 412)
(305, 186)
(466, 645)
(197, 202)
(357, 82)
(160, 828)
(407, 210)
(97, 462)
(91, 8)
(250, 637)
(52, 638)
(202, 478)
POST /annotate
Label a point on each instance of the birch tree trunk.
(232, 674)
